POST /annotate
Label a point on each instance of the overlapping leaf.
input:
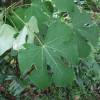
(84, 25)
(29, 29)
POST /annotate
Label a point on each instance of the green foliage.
(61, 40)
(48, 39)
(64, 5)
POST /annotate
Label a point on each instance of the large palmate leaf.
(6, 37)
(58, 43)
(64, 5)
(48, 58)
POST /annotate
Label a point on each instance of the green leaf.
(80, 18)
(64, 5)
(6, 37)
(83, 24)
(36, 10)
(91, 33)
(14, 17)
(58, 43)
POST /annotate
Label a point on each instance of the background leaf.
(6, 37)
